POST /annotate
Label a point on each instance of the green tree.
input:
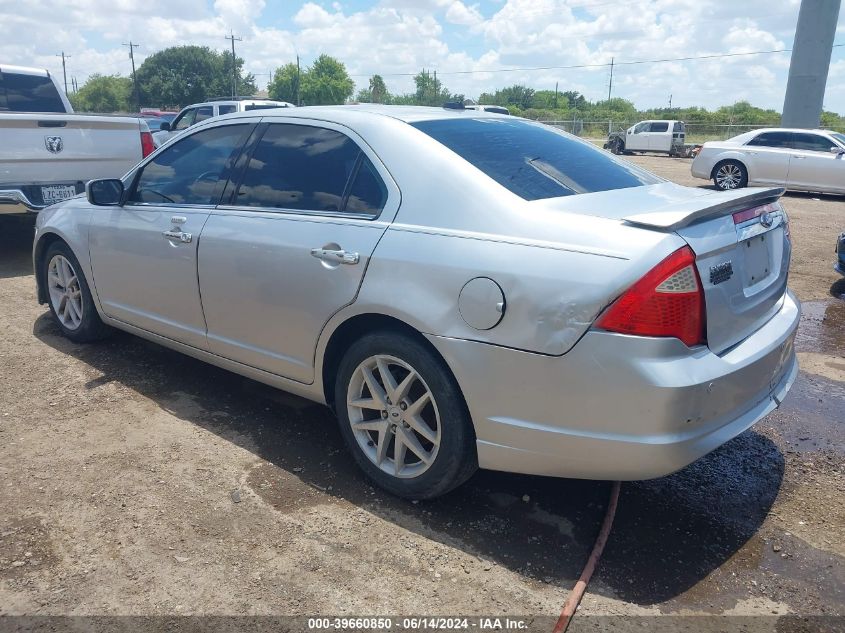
(181, 75)
(326, 82)
(376, 92)
(103, 93)
(285, 84)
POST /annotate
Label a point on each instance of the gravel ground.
(136, 481)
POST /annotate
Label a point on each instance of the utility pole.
(808, 68)
(298, 102)
(64, 68)
(670, 102)
(132, 48)
(436, 90)
(555, 96)
(234, 39)
(610, 85)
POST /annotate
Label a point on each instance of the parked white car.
(199, 112)
(801, 160)
(48, 153)
(665, 137)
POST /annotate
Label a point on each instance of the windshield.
(533, 160)
(839, 137)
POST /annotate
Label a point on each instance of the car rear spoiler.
(680, 214)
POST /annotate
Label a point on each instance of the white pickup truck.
(48, 153)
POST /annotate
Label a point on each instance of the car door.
(144, 253)
(767, 158)
(289, 245)
(659, 136)
(812, 166)
(636, 138)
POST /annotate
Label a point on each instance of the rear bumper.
(701, 168)
(16, 199)
(620, 407)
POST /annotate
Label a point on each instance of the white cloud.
(398, 37)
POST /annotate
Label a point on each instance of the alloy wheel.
(393, 416)
(65, 292)
(729, 176)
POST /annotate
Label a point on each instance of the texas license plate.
(51, 194)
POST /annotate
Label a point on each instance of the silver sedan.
(799, 160)
(463, 289)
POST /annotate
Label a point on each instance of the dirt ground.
(137, 481)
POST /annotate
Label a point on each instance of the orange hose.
(577, 592)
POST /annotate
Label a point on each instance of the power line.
(602, 65)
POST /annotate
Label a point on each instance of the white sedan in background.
(800, 160)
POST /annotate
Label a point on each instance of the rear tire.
(403, 417)
(729, 175)
(69, 296)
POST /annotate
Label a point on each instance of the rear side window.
(533, 160)
(29, 93)
(811, 142)
(660, 126)
(203, 113)
(308, 168)
(772, 139)
(226, 109)
(191, 170)
(678, 127)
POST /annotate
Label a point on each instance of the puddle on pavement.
(812, 417)
(822, 327)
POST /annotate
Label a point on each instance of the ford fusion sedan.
(464, 289)
(799, 160)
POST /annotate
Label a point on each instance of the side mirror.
(165, 126)
(107, 192)
(837, 150)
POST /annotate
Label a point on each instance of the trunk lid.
(742, 255)
(743, 263)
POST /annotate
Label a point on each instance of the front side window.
(660, 126)
(29, 93)
(811, 142)
(191, 170)
(533, 160)
(772, 139)
(307, 168)
(185, 120)
(639, 128)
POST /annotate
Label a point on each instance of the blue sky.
(460, 39)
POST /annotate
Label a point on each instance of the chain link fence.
(695, 132)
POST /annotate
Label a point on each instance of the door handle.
(335, 256)
(798, 157)
(178, 235)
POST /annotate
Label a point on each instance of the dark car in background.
(840, 255)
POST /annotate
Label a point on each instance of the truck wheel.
(403, 418)
(730, 174)
(68, 295)
(618, 147)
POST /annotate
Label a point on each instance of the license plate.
(51, 194)
(757, 262)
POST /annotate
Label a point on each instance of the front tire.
(69, 296)
(403, 417)
(618, 147)
(729, 175)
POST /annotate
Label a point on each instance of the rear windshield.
(533, 160)
(29, 93)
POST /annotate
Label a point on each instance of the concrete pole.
(811, 53)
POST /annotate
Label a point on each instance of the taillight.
(667, 301)
(147, 145)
